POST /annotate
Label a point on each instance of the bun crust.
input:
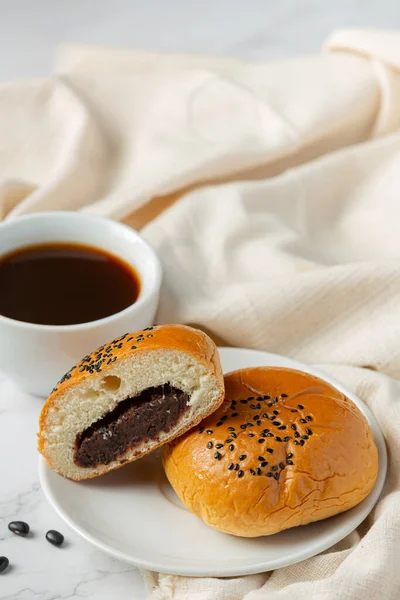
(317, 456)
(169, 354)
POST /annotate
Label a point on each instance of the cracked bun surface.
(128, 397)
(284, 449)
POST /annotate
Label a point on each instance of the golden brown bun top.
(172, 337)
(285, 448)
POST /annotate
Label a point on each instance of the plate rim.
(259, 567)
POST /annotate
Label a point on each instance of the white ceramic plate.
(134, 515)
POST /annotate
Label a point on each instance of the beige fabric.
(283, 181)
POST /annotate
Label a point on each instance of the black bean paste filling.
(132, 422)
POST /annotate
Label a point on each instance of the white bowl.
(37, 356)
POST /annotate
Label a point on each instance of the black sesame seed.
(304, 437)
(201, 429)
(250, 398)
(276, 423)
(19, 528)
(270, 404)
(250, 435)
(233, 435)
(252, 471)
(243, 401)
(259, 472)
(297, 443)
(308, 431)
(4, 562)
(303, 421)
(228, 441)
(270, 450)
(293, 426)
(224, 418)
(276, 412)
(264, 463)
(260, 458)
(55, 537)
(269, 474)
(218, 455)
(296, 434)
(250, 424)
(293, 410)
(302, 442)
(219, 423)
(286, 439)
(265, 416)
(278, 439)
(308, 418)
(243, 426)
(133, 347)
(234, 402)
(252, 405)
(256, 417)
(269, 435)
(276, 476)
(289, 462)
(289, 455)
(209, 431)
(274, 468)
(234, 414)
(259, 423)
(237, 467)
(261, 440)
(231, 429)
(284, 395)
(149, 335)
(219, 446)
(210, 445)
(300, 406)
(231, 466)
(258, 406)
(231, 447)
(282, 427)
(241, 473)
(266, 397)
(242, 456)
(281, 465)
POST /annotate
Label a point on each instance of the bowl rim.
(133, 308)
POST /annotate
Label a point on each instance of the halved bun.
(129, 397)
(284, 449)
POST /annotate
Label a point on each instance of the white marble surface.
(31, 30)
(29, 33)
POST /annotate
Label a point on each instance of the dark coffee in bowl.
(65, 284)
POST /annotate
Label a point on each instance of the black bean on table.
(4, 562)
(19, 528)
(55, 537)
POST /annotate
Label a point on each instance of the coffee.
(65, 284)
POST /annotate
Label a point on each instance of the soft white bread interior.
(172, 355)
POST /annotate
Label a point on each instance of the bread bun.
(284, 449)
(129, 397)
